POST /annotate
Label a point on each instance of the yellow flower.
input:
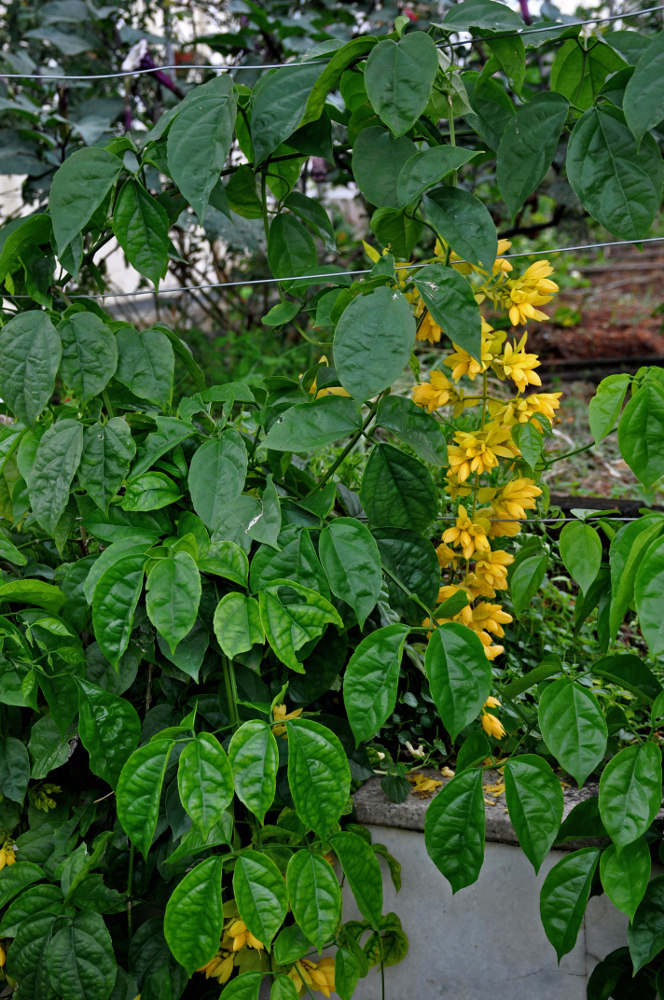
(491, 571)
(479, 452)
(500, 265)
(532, 289)
(491, 702)
(522, 409)
(423, 786)
(462, 364)
(280, 715)
(335, 390)
(242, 936)
(516, 497)
(220, 967)
(7, 855)
(469, 536)
(3, 956)
(316, 975)
(490, 618)
(437, 392)
(517, 365)
(492, 726)
(427, 328)
(446, 557)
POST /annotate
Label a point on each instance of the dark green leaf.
(318, 774)
(107, 453)
(528, 146)
(291, 616)
(260, 894)
(237, 624)
(371, 678)
(648, 595)
(630, 793)
(278, 104)
(290, 248)
(146, 364)
(309, 426)
(79, 187)
(573, 726)
(644, 95)
(173, 595)
(351, 561)
(80, 959)
(139, 791)
(244, 987)
(399, 77)
(109, 728)
(426, 168)
(535, 803)
(645, 935)
(254, 759)
(205, 781)
(454, 829)
(89, 354)
(564, 897)
(114, 601)
(459, 675)
(378, 159)
(216, 476)
(315, 896)
(56, 461)
(414, 427)
(194, 916)
(14, 769)
(451, 302)
(362, 869)
(398, 490)
(625, 876)
(141, 226)
(31, 351)
(463, 221)
(579, 72)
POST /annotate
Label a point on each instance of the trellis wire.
(46, 75)
(334, 274)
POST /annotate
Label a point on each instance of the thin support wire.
(333, 274)
(45, 75)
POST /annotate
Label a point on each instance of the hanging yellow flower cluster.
(493, 499)
(236, 937)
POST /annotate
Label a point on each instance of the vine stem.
(130, 882)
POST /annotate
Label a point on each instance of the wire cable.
(45, 75)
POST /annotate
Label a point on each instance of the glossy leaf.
(644, 95)
(56, 461)
(216, 475)
(140, 224)
(640, 433)
(278, 104)
(205, 781)
(564, 897)
(449, 298)
(373, 341)
(464, 222)
(260, 894)
(43, 595)
(414, 427)
(362, 869)
(78, 188)
(170, 432)
(579, 72)
(289, 945)
(399, 77)
(237, 624)
(534, 800)
(605, 406)
(308, 426)
(29, 907)
(283, 988)
(454, 829)
(648, 595)
(397, 490)
(109, 728)
(14, 878)
(617, 185)
(459, 675)
(173, 595)
(194, 916)
(378, 159)
(581, 552)
(107, 453)
(89, 354)
(315, 896)
(351, 561)
(625, 876)
(139, 790)
(291, 616)
(14, 768)
(114, 602)
(528, 146)
(80, 960)
(412, 560)
(318, 774)
(296, 561)
(228, 560)
(145, 364)
(630, 793)
(199, 140)
(243, 987)
(31, 351)
(134, 544)
(151, 491)
(254, 759)
(371, 679)
(645, 935)
(628, 547)
(426, 168)
(290, 249)
(573, 726)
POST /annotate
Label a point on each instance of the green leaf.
(628, 546)
(313, 213)
(362, 869)
(34, 903)
(151, 491)
(266, 525)
(114, 602)
(413, 426)
(297, 561)
(564, 897)
(141, 226)
(378, 159)
(131, 545)
(56, 461)
(228, 560)
(528, 146)
(173, 593)
(625, 876)
(194, 917)
(80, 960)
(199, 140)
(260, 894)
(31, 351)
(617, 185)
(14, 878)
(373, 341)
(318, 775)
(451, 302)
(640, 433)
(44, 595)
(79, 187)
(315, 896)
(89, 354)
(237, 624)
(14, 769)
(510, 54)
(605, 406)
(292, 616)
(648, 594)
(309, 426)
(581, 552)
(399, 77)
(254, 759)
(109, 728)
(535, 803)
(216, 476)
(426, 168)
(464, 222)
(107, 453)
(278, 104)
(371, 679)
(645, 935)
(283, 988)
(146, 363)
(630, 793)
(245, 987)
(170, 433)
(492, 107)
(346, 973)
(205, 781)
(351, 561)
(398, 490)
(290, 247)
(397, 230)
(139, 790)
(10, 553)
(525, 576)
(643, 103)
(628, 671)
(454, 829)
(412, 560)
(290, 944)
(573, 726)
(482, 14)
(459, 675)
(579, 73)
